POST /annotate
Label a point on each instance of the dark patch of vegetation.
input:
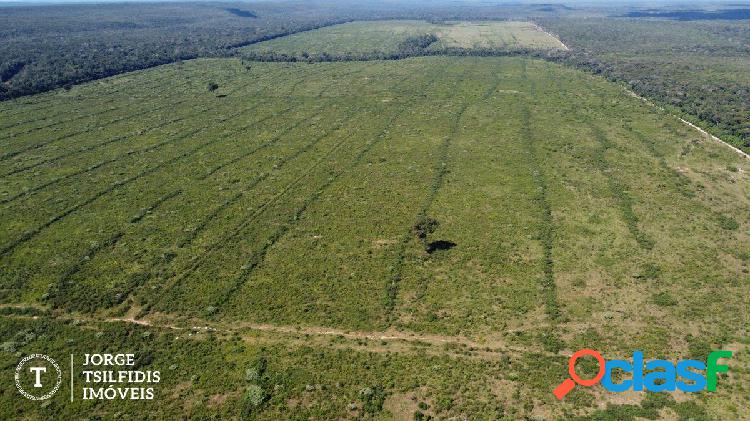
(256, 393)
(546, 233)
(728, 223)
(424, 227)
(439, 245)
(372, 399)
(22, 311)
(551, 341)
(9, 69)
(664, 299)
(416, 44)
(698, 347)
(241, 13)
(448, 51)
(419, 416)
(618, 190)
(649, 271)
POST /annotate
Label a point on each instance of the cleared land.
(500, 35)
(388, 36)
(347, 38)
(511, 209)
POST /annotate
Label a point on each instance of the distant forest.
(696, 61)
(699, 68)
(728, 14)
(48, 47)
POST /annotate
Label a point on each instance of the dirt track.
(249, 331)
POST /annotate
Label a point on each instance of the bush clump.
(728, 223)
(649, 271)
(255, 371)
(255, 395)
(664, 299)
(372, 399)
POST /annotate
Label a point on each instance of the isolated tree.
(424, 227)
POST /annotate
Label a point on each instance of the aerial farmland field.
(352, 37)
(432, 236)
(391, 37)
(507, 35)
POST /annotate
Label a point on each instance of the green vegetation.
(203, 376)
(699, 68)
(496, 35)
(45, 47)
(373, 219)
(354, 38)
(382, 39)
(501, 210)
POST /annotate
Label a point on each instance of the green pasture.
(524, 206)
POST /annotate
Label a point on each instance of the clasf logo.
(38, 377)
(654, 375)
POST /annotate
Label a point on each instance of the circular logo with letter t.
(38, 377)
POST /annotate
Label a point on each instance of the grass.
(288, 197)
(356, 39)
(500, 35)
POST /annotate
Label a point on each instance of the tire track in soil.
(199, 259)
(415, 342)
(57, 292)
(259, 256)
(28, 235)
(441, 169)
(547, 228)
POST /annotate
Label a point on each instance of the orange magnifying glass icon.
(568, 384)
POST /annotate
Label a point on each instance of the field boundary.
(492, 347)
(541, 29)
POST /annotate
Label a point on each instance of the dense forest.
(699, 68)
(52, 46)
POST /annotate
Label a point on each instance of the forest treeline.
(403, 53)
(700, 69)
(48, 47)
